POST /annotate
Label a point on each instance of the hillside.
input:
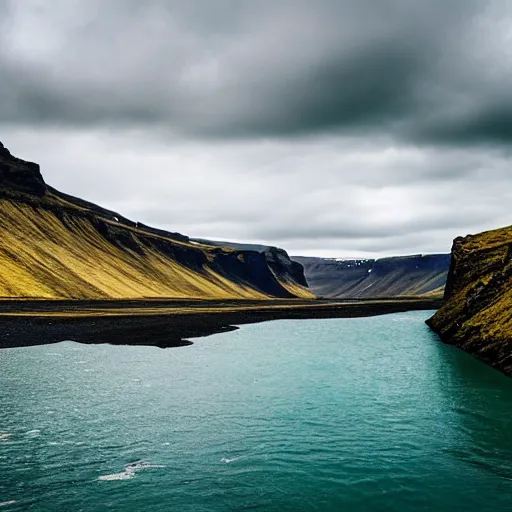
(477, 314)
(53, 245)
(291, 272)
(386, 277)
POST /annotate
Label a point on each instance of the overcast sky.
(327, 127)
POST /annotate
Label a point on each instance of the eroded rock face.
(477, 314)
(282, 266)
(19, 175)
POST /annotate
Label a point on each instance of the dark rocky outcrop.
(477, 313)
(20, 176)
(366, 278)
(282, 266)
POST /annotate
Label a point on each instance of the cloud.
(342, 128)
(435, 71)
(322, 196)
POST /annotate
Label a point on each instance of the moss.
(478, 313)
(55, 253)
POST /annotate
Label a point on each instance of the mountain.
(386, 277)
(290, 273)
(57, 246)
(477, 313)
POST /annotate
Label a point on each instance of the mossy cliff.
(477, 314)
(56, 246)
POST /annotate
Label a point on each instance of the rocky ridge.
(477, 313)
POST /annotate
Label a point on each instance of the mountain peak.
(18, 175)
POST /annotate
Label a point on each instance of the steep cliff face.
(477, 314)
(288, 272)
(53, 245)
(386, 277)
(19, 175)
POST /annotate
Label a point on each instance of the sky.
(337, 128)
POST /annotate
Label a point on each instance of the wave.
(125, 475)
(228, 461)
(130, 471)
(143, 465)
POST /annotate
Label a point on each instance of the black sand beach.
(167, 323)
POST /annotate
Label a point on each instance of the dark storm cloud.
(228, 69)
(489, 124)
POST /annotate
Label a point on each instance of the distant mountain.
(477, 314)
(57, 246)
(386, 277)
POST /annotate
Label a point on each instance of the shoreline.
(169, 323)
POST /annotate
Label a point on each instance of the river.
(292, 415)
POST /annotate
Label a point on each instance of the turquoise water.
(347, 414)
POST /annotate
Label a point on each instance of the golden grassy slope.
(41, 256)
(438, 293)
(296, 289)
(477, 315)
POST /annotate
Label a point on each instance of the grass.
(478, 315)
(42, 255)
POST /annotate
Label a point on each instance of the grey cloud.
(234, 69)
(282, 193)
(490, 124)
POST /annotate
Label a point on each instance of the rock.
(18, 175)
(287, 271)
(477, 314)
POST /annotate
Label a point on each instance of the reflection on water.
(478, 399)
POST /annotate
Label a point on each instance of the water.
(346, 414)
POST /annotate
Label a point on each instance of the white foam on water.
(130, 471)
(7, 503)
(4, 436)
(228, 461)
(34, 432)
(143, 465)
(125, 475)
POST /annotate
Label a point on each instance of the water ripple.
(351, 414)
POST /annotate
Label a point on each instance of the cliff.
(289, 273)
(53, 245)
(477, 314)
(386, 277)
